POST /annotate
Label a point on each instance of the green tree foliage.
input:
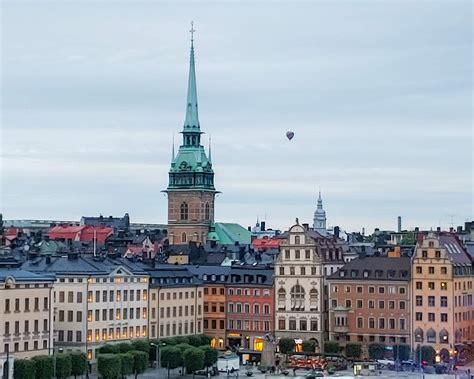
(210, 355)
(181, 339)
(205, 340)
(169, 341)
(408, 239)
(141, 345)
(63, 366)
(309, 346)
(123, 347)
(44, 366)
(2, 229)
(353, 350)
(109, 366)
(110, 349)
(286, 345)
(126, 363)
(195, 341)
(193, 359)
(140, 361)
(183, 346)
(78, 363)
(402, 352)
(376, 351)
(171, 357)
(24, 369)
(331, 347)
(427, 354)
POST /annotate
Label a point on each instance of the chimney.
(399, 228)
(262, 226)
(451, 229)
(336, 231)
(306, 226)
(438, 229)
(249, 228)
(459, 231)
(48, 259)
(417, 229)
(363, 231)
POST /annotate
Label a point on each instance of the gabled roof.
(230, 233)
(20, 275)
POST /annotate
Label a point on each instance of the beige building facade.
(26, 326)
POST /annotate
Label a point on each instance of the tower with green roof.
(191, 191)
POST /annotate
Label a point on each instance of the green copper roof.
(191, 159)
(229, 234)
(191, 123)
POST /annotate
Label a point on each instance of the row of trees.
(43, 366)
(354, 350)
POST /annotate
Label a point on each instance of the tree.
(193, 359)
(376, 351)
(110, 349)
(181, 339)
(205, 340)
(109, 366)
(2, 229)
(331, 347)
(126, 364)
(353, 350)
(78, 363)
(169, 341)
(408, 239)
(123, 347)
(140, 361)
(44, 367)
(141, 345)
(309, 346)
(402, 352)
(286, 345)
(171, 357)
(183, 346)
(63, 366)
(427, 354)
(210, 355)
(195, 341)
(24, 369)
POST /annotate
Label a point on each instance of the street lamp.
(158, 352)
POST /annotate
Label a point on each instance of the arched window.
(207, 215)
(431, 335)
(313, 299)
(281, 298)
(297, 298)
(246, 308)
(231, 307)
(256, 308)
(266, 309)
(418, 335)
(184, 211)
(444, 336)
(183, 237)
(239, 308)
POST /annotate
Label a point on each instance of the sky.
(378, 94)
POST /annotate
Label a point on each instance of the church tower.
(191, 191)
(319, 220)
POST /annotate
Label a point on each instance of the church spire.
(172, 151)
(209, 155)
(319, 220)
(191, 122)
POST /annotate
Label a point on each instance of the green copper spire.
(191, 123)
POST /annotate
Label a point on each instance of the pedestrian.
(294, 371)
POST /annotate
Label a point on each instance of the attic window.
(204, 277)
(342, 273)
(354, 273)
(378, 273)
(403, 273)
(391, 273)
(213, 278)
(366, 273)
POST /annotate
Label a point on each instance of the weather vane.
(192, 31)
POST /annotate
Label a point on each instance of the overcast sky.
(379, 95)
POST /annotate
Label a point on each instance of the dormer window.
(204, 277)
(366, 273)
(213, 278)
(424, 254)
(378, 273)
(342, 273)
(391, 273)
(354, 273)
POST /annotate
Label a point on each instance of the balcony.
(341, 329)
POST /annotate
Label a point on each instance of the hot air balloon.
(290, 135)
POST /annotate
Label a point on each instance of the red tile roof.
(84, 233)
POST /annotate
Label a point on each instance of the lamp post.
(158, 352)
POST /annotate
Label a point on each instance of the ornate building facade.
(191, 190)
(298, 288)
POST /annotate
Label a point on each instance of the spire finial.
(210, 144)
(172, 149)
(192, 30)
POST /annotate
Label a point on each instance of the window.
(402, 305)
(444, 317)
(431, 301)
(371, 304)
(381, 289)
(7, 305)
(348, 304)
(391, 304)
(281, 324)
(424, 253)
(402, 324)
(303, 325)
(360, 322)
(287, 254)
(207, 212)
(347, 289)
(307, 254)
(419, 269)
(431, 286)
(444, 270)
(402, 290)
(303, 270)
(381, 304)
(444, 286)
(360, 289)
(297, 240)
(313, 299)
(381, 323)
(183, 237)
(292, 324)
(431, 270)
(282, 271)
(27, 305)
(292, 271)
(419, 285)
(359, 303)
(419, 301)
(431, 317)
(297, 298)
(281, 298)
(371, 289)
(391, 323)
(184, 212)
(419, 316)
(297, 254)
(437, 254)
(444, 301)
(371, 323)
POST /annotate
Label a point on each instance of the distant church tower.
(190, 189)
(319, 220)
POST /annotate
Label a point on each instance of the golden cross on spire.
(192, 31)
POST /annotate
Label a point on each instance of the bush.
(24, 369)
(376, 351)
(109, 366)
(169, 341)
(171, 357)
(402, 352)
(193, 359)
(183, 346)
(309, 346)
(210, 355)
(123, 347)
(140, 361)
(141, 345)
(286, 345)
(63, 366)
(331, 347)
(181, 339)
(353, 350)
(44, 367)
(126, 363)
(78, 363)
(195, 341)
